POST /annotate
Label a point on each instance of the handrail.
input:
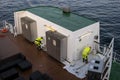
(108, 53)
(116, 56)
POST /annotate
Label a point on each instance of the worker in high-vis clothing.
(85, 53)
(38, 42)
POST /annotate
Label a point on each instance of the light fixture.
(85, 34)
(50, 28)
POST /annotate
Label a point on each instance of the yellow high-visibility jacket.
(86, 52)
(38, 41)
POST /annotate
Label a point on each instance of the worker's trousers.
(39, 47)
(85, 59)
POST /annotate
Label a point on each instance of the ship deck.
(10, 45)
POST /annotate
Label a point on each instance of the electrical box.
(56, 45)
(95, 69)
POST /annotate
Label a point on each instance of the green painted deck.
(115, 71)
(70, 21)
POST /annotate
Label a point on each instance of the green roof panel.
(70, 21)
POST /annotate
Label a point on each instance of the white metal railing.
(108, 53)
(9, 26)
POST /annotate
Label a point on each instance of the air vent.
(95, 67)
(97, 62)
(66, 9)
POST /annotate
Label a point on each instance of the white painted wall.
(74, 47)
(41, 29)
(17, 21)
(88, 39)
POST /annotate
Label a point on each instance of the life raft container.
(4, 30)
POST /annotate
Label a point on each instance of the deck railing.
(108, 53)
